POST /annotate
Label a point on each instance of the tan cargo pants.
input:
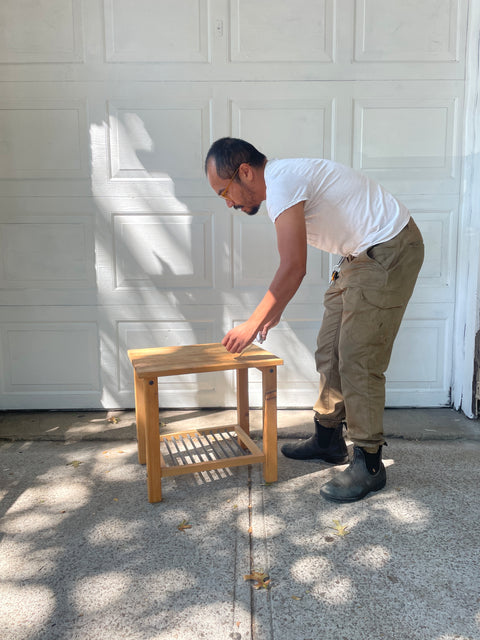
(363, 310)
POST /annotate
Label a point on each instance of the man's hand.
(238, 338)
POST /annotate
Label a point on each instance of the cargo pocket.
(364, 272)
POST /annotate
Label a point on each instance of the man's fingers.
(229, 344)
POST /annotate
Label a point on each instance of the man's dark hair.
(230, 153)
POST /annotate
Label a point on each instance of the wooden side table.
(207, 448)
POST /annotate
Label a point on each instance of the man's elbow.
(293, 271)
(299, 271)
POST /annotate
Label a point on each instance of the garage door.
(110, 237)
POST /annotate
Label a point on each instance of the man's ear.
(246, 172)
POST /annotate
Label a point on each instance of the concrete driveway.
(84, 555)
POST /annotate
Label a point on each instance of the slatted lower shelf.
(207, 449)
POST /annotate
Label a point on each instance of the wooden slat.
(244, 437)
(201, 431)
(221, 463)
(197, 358)
(255, 456)
(163, 464)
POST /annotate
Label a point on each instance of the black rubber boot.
(326, 444)
(356, 481)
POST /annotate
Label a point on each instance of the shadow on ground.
(84, 555)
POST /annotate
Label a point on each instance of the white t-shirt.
(345, 212)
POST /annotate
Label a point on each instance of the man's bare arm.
(292, 248)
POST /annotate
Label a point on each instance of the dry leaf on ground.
(261, 579)
(74, 463)
(184, 525)
(340, 529)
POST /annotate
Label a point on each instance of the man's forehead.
(212, 167)
(212, 174)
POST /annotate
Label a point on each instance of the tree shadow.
(404, 568)
(83, 552)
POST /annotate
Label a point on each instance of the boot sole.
(356, 499)
(328, 460)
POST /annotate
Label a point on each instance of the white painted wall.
(468, 269)
(110, 237)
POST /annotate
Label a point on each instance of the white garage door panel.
(144, 141)
(162, 251)
(294, 32)
(293, 119)
(43, 139)
(152, 31)
(407, 31)
(110, 237)
(438, 225)
(306, 125)
(31, 34)
(157, 137)
(420, 370)
(48, 359)
(46, 356)
(47, 252)
(408, 141)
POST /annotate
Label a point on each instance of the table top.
(198, 358)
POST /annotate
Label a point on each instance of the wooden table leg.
(148, 395)
(269, 384)
(243, 406)
(140, 420)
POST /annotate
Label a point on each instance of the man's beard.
(252, 211)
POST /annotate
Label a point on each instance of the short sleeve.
(284, 189)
